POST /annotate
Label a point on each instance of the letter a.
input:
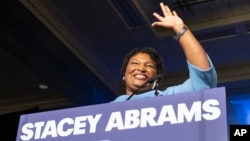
(237, 132)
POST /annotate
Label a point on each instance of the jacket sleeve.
(198, 80)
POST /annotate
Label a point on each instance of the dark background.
(57, 54)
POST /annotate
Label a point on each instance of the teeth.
(139, 76)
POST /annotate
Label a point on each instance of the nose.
(141, 68)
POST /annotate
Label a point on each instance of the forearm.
(193, 50)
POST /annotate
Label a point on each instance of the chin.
(138, 84)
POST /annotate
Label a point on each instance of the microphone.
(154, 79)
(157, 77)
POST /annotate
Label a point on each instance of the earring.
(123, 78)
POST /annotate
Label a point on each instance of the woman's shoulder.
(122, 97)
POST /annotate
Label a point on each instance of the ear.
(123, 78)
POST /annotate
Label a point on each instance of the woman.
(142, 64)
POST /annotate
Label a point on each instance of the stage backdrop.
(196, 116)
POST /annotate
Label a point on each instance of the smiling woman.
(139, 66)
(142, 64)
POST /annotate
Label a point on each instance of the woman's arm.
(193, 50)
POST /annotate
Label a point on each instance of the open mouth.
(140, 76)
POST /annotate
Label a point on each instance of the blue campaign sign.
(196, 116)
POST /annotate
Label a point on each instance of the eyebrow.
(151, 62)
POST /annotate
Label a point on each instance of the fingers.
(163, 9)
(157, 24)
(174, 13)
(168, 19)
(166, 10)
(160, 18)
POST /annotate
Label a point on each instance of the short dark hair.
(148, 50)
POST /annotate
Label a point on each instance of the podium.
(195, 116)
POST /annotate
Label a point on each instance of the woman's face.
(139, 69)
